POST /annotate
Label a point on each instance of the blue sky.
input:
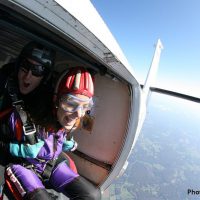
(137, 24)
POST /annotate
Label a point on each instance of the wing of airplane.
(80, 37)
(175, 94)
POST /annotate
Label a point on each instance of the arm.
(19, 149)
(17, 146)
(69, 145)
(25, 150)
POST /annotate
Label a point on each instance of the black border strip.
(93, 160)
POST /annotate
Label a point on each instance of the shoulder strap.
(28, 126)
(5, 112)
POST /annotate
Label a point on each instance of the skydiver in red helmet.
(49, 165)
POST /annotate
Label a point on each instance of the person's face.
(27, 81)
(71, 109)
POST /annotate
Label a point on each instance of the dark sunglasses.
(36, 69)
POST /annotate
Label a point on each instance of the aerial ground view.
(165, 163)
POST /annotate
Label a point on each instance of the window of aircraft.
(165, 163)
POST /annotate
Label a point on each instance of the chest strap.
(48, 169)
(28, 126)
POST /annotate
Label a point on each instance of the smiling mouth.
(70, 121)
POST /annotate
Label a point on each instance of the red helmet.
(76, 80)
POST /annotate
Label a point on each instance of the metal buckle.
(18, 103)
(29, 129)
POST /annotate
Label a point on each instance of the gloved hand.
(69, 145)
(26, 150)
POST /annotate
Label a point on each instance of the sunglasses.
(70, 103)
(36, 69)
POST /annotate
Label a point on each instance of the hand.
(26, 150)
(69, 145)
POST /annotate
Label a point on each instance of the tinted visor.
(36, 69)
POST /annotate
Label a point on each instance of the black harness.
(28, 126)
(29, 130)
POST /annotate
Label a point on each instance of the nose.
(79, 112)
(28, 75)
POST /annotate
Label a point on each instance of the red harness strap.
(13, 189)
(18, 130)
(71, 164)
(18, 124)
(5, 112)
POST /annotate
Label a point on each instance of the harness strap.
(14, 185)
(13, 189)
(5, 112)
(48, 169)
(28, 126)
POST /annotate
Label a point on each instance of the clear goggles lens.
(36, 69)
(70, 103)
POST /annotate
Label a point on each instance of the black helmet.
(39, 53)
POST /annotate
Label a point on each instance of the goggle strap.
(79, 99)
